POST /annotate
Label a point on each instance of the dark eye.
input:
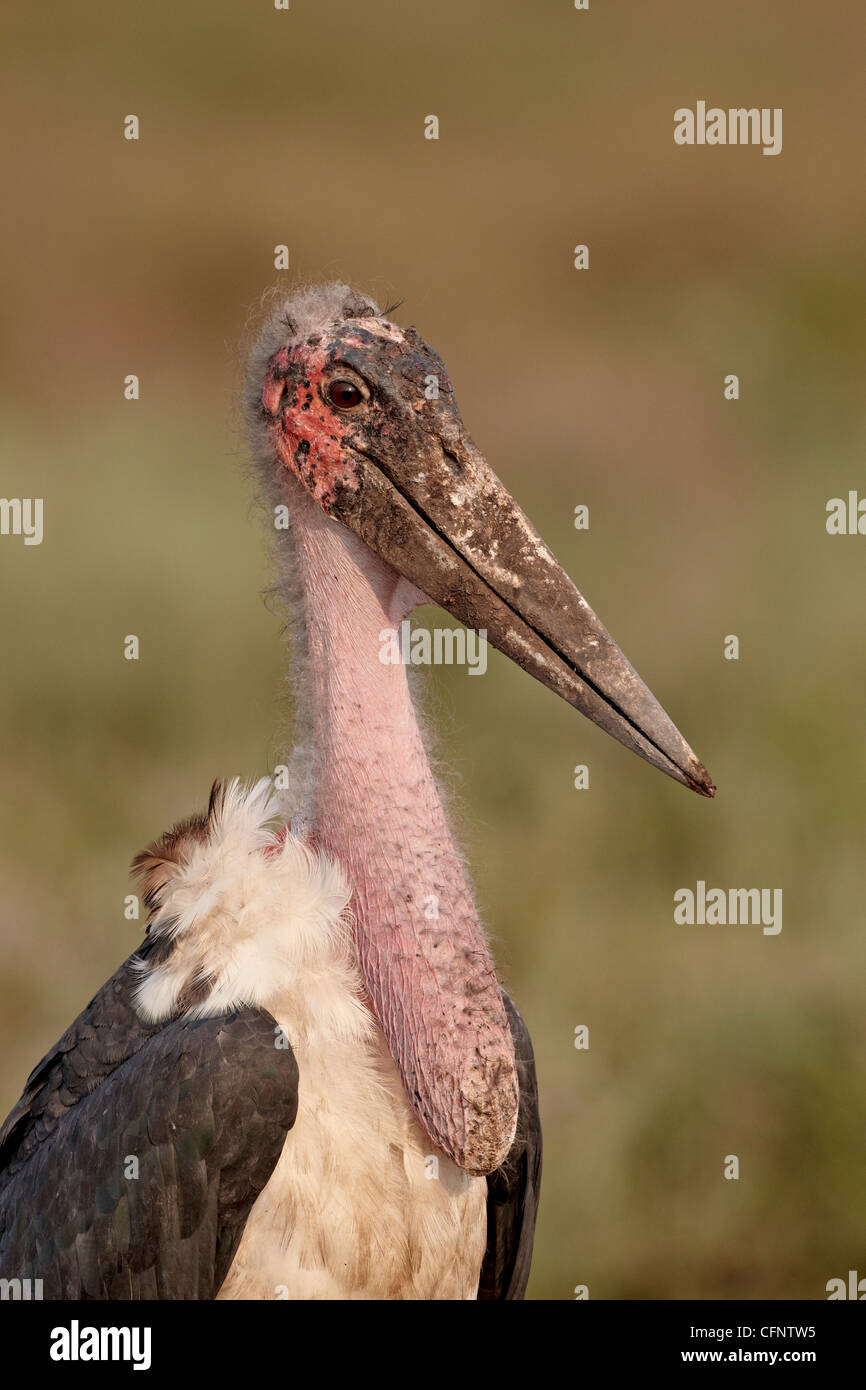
(343, 394)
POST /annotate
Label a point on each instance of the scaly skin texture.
(425, 961)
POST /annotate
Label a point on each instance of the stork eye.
(344, 394)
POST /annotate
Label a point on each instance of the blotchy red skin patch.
(306, 434)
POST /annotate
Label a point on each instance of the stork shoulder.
(243, 912)
(130, 1165)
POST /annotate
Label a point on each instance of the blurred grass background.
(602, 387)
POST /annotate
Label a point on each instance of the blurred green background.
(602, 387)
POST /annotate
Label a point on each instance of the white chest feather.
(359, 1204)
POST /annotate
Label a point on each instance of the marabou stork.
(308, 1082)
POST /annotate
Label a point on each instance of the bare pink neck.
(378, 811)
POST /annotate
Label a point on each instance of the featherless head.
(362, 414)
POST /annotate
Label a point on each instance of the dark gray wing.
(512, 1191)
(130, 1164)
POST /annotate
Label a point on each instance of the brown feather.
(157, 865)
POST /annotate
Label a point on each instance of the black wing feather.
(512, 1191)
(202, 1106)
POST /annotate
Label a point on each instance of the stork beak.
(445, 521)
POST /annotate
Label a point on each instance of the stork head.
(363, 414)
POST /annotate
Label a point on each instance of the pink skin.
(429, 974)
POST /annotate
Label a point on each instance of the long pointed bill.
(446, 522)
